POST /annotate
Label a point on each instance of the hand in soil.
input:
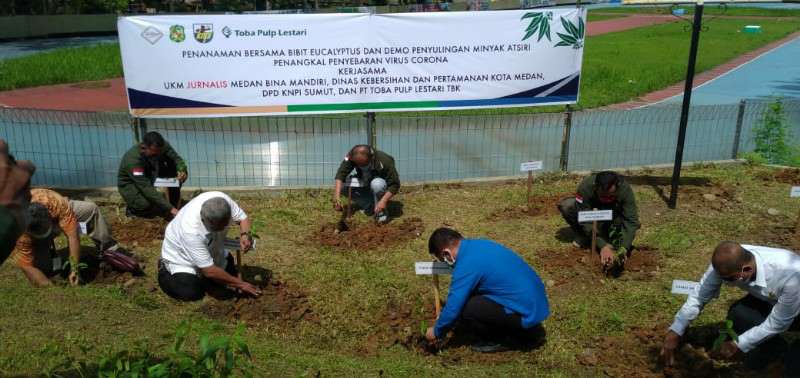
(380, 207)
(245, 243)
(728, 350)
(73, 278)
(337, 205)
(670, 345)
(430, 336)
(607, 256)
(249, 289)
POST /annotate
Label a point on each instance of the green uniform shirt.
(136, 176)
(382, 166)
(624, 208)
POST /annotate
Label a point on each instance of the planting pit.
(540, 205)
(368, 236)
(566, 268)
(787, 176)
(277, 302)
(636, 353)
(133, 232)
(401, 325)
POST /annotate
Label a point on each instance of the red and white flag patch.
(578, 198)
(138, 171)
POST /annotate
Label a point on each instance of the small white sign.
(531, 166)
(354, 182)
(795, 192)
(595, 215)
(427, 268)
(164, 182)
(683, 287)
(83, 228)
(57, 264)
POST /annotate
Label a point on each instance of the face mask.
(448, 260)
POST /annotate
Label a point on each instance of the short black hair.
(442, 238)
(39, 218)
(153, 139)
(605, 180)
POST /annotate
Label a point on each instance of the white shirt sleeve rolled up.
(707, 290)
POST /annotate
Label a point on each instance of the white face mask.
(448, 260)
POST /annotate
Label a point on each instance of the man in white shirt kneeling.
(771, 277)
(193, 254)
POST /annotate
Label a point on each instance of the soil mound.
(132, 232)
(574, 266)
(542, 205)
(369, 236)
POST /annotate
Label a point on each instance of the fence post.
(738, 135)
(135, 128)
(372, 134)
(142, 126)
(564, 162)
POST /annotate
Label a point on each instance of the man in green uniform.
(377, 178)
(15, 197)
(140, 166)
(604, 191)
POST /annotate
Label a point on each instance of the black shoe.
(581, 241)
(488, 347)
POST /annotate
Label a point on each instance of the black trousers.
(167, 168)
(490, 322)
(749, 312)
(187, 286)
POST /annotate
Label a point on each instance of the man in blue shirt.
(493, 292)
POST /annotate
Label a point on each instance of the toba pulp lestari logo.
(203, 33)
(151, 34)
(226, 31)
(176, 33)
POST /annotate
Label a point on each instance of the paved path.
(775, 70)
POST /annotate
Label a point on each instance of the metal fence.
(79, 149)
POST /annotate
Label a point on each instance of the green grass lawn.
(617, 66)
(350, 293)
(61, 66)
(709, 10)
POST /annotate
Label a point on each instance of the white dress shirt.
(188, 246)
(777, 282)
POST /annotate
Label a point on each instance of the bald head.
(729, 258)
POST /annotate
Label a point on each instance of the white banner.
(794, 192)
(231, 65)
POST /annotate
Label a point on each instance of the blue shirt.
(485, 267)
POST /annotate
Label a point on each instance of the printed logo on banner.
(177, 33)
(151, 34)
(226, 31)
(203, 33)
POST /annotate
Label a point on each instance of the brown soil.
(637, 354)
(277, 302)
(369, 236)
(776, 235)
(541, 205)
(566, 268)
(711, 197)
(133, 232)
(786, 176)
